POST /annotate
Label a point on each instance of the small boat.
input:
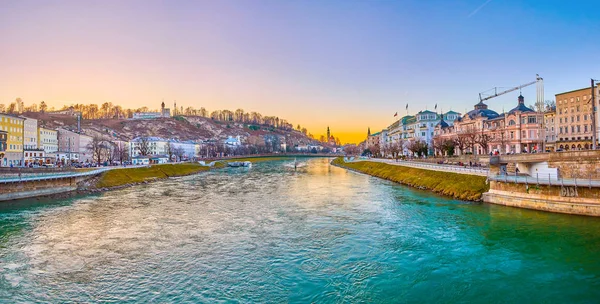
(237, 164)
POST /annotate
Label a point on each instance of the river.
(269, 234)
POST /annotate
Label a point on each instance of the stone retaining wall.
(572, 200)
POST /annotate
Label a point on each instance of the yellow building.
(13, 125)
(574, 115)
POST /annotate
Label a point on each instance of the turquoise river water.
(272, 235)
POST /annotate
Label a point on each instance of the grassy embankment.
(120, 177)
(459, 186)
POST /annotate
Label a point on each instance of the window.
(532, 119)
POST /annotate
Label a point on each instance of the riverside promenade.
(429, 166)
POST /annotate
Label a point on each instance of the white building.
(146, 115)
(188, 147)
(232, 142)
(418, 127)
(48, 140)
(156, 145)
(30, 133)
(140, 160)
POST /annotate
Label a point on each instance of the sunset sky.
(344, 64)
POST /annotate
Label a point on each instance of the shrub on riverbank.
(460, 186)
(120, 177)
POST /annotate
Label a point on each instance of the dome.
(521, 107)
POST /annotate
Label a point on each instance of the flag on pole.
(396, 114)
(436, 106)
(407, 106)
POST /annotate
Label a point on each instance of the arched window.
(511, 123)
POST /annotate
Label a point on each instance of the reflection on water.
(269, 234)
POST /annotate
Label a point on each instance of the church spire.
(369, 131)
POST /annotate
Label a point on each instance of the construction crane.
(539, 80)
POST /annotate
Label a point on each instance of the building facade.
(154, 146)
(72, 143)
(30, 134)
(14, 126)
(550, 130)
(3, 143)
(420, 127)
(575, 121)
(483, 131)
(48, 140)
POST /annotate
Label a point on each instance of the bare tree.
(121, 152)
(351, 150)
(12, 108)
(394, 149)
(448, 147)
(375, 150)
(179, 153)
(143, 146)
(461, 143)
(550, 104)
(417, 147)
(437, 142)
(170, 151)
(98, 148)
(483, 139)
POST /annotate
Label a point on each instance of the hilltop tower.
(175, 107)
(369, 131)
(328, 133)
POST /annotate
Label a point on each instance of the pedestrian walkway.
(428, 166)
(15, 178)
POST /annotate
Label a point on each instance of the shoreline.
(454, 185)
(122, 178)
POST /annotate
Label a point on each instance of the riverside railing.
(46, 176)
(543, 179)
(438, 167)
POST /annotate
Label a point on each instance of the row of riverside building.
(567, 125)
(24, 142)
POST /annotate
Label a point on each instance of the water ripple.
(272, 235)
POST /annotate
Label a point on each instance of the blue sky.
(346, 64)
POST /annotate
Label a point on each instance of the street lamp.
(594, 131)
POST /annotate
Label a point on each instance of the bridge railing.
(39, 177)
(542, 179)
(436, 167)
